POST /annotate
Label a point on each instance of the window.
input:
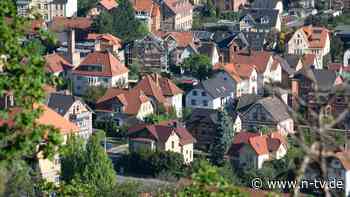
(193, 102)
(205, 103)
(172, 145)
(204, 94)
(194, 93)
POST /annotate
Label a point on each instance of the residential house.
(268, 112)
(251, 150)
(260, 20)
(268, 4)
(262, 61)
(48, 9)
(99, 69)
(102, 5)
(57, 65)
(243, 75)
(74, 109)
(213, 93)
(227, 5)
(257, 40)
(107, 42)
(49, 170)
(203, 124)
(176, 15)
(180, 45)
(210, 50)
(310, 40)
(148, 12)
(150, 53)
(231, 43)
(346, 59)
(123, 107)
(162, 92)
(168, 136)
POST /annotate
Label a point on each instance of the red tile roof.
(130, 99)
(107, 37)
(48, 118)
(258, 58)
(183, 39)
(344, 157)
(316, 36)
(110, 65)
(56, 63)
(108, 4)
(162, 132)
(237, 71)
(176, 6)
(143, 5)
(59, 23)
(259, 145)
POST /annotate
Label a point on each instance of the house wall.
(346, 60)
(183, 21)
(173, 143)
(176, 102)
(201, 99)
(276, 75)
(49, 169)
(280, 153)
(187, 153)
(261, 160)
(145, 110)
(247, 158)
(286, 127)
(237, 125)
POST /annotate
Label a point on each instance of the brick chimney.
(73, 55)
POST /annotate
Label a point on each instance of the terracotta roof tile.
(130, 99)
(100, 64)
(183, 39)
(107, 37)
(108, 4)
(344, 157)
(59, 23)
(258, 58)
(316, 36)
(237, 71)
(56, 63)
(259, 144)
(143, 5)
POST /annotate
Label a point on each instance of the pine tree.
(218, 149)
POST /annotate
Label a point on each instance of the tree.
(24, 76)
(337, 48)
(199, 66)
(222, 139)
(85, 5)
(121, 22)
(93, 93)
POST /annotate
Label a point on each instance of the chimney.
(74, 57)
(295, 93)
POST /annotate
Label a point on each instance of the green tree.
(93, 93)
(337, 49)
(199, 66)
(85, 5)
(222, 139)
(121, 22)
(208, 182)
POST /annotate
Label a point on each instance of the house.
(102, 5)
(48, 170)
(269, 112)
(99, 69)
(268, 4)
(213, 93)
(180, 45)
(107, 42)
(57, 65)
(176, 15)
(210, 50)
(256, 40)
(251, 150)
(310, 40)
(168, 136)
(337, 170)
(148, 12)
(346, 59)
(124, 107)
(73, 109)
(203, 123)
(150, 53)
(260, 20)
(262, 61)
(243, 75)
(48, 9)
(162, 92)
(231, 43)
(227, 5)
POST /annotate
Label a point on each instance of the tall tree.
(222, 139)
(199, 66)
(85, 5)
(124, 24)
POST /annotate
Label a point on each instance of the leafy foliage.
(121, 22)
(199, 66)
(88, 165)
(85, 5)
(93, 93)
(153, 163)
